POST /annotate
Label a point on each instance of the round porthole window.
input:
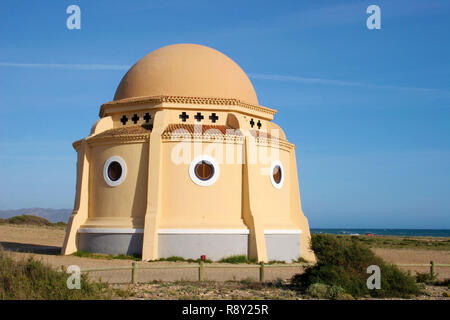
(114, 171)
(277, 174)
(204, 170)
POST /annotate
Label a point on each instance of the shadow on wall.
(140, 193)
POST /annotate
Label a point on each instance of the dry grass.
(236, 290)
(30, 279)
(213, 290)
(402, 242)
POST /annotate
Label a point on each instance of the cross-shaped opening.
(124, 119)
(147, 117)
(199, 117)
(135, 118)
(259, 124)
(252, 123)
(213, 117)
(183, 116)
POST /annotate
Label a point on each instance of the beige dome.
(189, 70)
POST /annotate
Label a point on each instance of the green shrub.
(30, 220)
(235, 259)
(175, 258)
(425, 277)
(323, 291)
(247, 281)
(395, 283)
(136, 257)
(30, 279)
(336, 293)
(85, 254)
(60, 224)
(317, 290)
(443, 283)
(343, 262)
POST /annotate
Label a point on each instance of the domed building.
(185, 162)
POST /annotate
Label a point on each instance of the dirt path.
(419, 256)
(45, 243)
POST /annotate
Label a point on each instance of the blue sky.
(369, 110)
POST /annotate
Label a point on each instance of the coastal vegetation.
(32, 221)
(342, 265)
(84, 254)
(339, 257)
(396, 242)
(31, 279)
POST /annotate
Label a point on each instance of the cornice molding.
(180, 133)
(105, 140)
(168, 137)
(275, 143)
(186, 100)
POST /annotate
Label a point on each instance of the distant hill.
(53, 215)
(31, 220)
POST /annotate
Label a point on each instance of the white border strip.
(110, 230)
(203, 231)
(286, 231)
(186, 231)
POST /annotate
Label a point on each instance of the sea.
(387, 232)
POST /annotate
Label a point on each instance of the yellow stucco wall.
(125, 204)
(166, 198)
(242, 198)
(273, 207)
(188, 205)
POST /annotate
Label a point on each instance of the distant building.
(185, 162)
